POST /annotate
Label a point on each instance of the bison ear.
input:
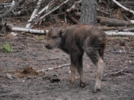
(62, 32)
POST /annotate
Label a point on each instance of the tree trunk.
(88, 12)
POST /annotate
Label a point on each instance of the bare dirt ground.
(21, 77)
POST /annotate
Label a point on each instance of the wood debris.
(114, 13)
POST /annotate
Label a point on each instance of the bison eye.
(54, 37)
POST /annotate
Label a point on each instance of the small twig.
(52, 68)
(120, 72)
(52, 59)
(103, 11)
(119, 51)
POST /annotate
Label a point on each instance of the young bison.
(76, 39)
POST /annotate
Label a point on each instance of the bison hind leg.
(98, 62)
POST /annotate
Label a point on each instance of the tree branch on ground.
(13, 5)
(76, 5)
(52, 10)
(123, 7)
(34, 13)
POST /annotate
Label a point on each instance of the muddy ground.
(25, 73)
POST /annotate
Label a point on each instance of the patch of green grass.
(1, 47)
(41, 38)
(5, 47)
(131, 62)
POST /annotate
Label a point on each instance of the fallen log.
(119, 33)
(34, 31)
(128, 30)
(110, 22)
(44, 32)
(120, 29)
(9, 27)
(105, 28)
(113, 22)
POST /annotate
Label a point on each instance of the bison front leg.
(76, 63)
(73, 70)
(73, 67)
(100, 66)
(80, 70)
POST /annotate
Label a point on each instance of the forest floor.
(24, 73)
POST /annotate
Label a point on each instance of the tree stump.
(88, 12)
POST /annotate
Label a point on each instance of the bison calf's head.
(54, 38)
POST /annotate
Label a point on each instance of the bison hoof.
(71, 83)
(82, 85)
(96, 90)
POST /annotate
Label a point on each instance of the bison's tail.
(102, 47)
